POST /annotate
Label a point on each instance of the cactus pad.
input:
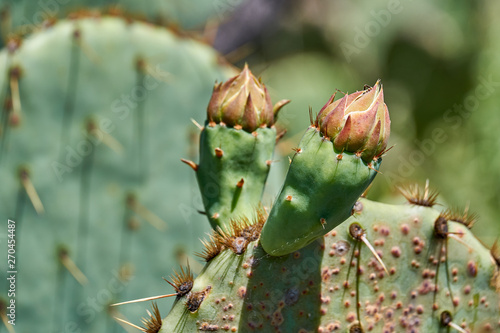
(336, 285)
(95, 116)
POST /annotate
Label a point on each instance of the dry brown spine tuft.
(416, 196)
(212, 248)
(466, 218)
(312, 121)
(182, 282)
(154, 322)
(239, 234)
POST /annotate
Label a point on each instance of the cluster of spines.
(182, 282)
(152, 324)
(237, 237)
(464, 217)
(416, 196)
(428, 198)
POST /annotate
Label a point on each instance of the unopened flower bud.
(243, 101)
(357, 123)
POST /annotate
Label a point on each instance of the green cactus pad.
(138, 86)
(335, 284)
(319, 192)
(233, 169)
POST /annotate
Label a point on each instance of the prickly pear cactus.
(95, 114)
(307, 267)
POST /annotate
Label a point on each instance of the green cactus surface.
(95, 117)
(233, 168)
(236, 148)
(335, 284)
(319, 192)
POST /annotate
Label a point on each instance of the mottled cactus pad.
(336, 285)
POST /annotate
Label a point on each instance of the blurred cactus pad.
(325, 259)
(95, 117)
(24, 16)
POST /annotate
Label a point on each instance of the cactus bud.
(357, 122)
(336, 160)
(239, 132)
(243, 101)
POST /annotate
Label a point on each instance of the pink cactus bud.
(357, 122)
(243, 101)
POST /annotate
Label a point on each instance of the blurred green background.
(439, 63)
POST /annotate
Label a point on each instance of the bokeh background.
(439, 63)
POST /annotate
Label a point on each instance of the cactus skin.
(236, 148)
(304, 291)
(320, 190)
(180, 74)
(335, 162)
(228, 156)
